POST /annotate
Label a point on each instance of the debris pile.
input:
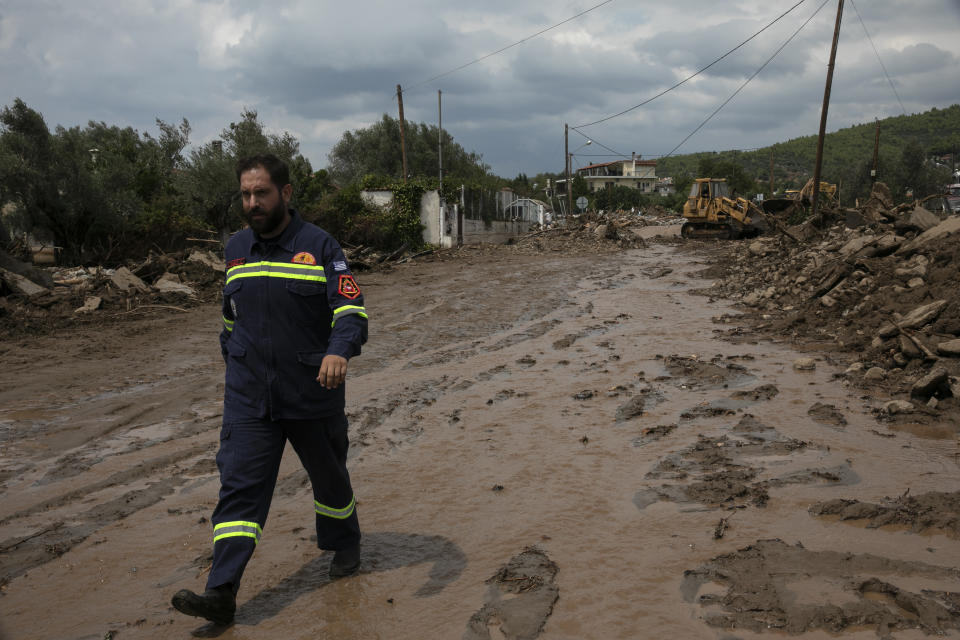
(880, 283)
(36, 299)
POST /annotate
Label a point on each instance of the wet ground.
(542, 446)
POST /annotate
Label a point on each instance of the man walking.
(293, 316)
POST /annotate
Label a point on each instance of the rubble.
(99, 294)
(882, 294)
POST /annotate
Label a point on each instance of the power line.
(882, 66)
(755, 73)
(518, 42)
(665, 91)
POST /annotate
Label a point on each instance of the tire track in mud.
(71, 528)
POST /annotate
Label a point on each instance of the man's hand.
(333, 371)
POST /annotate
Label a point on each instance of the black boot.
(216, 605)
(345, 562)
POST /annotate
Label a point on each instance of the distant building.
(633, 173)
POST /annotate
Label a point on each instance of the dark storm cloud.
(319, 69)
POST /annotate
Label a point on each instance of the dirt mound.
(935, 510)
(772, 585)
(882, 290)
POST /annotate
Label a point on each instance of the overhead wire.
(695, 74)
(518, 42)
(882, 66)
(747, 81)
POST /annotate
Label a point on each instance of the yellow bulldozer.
(711, 212)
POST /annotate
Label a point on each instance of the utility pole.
(566, 164)
(823, 112)
(876, 154)
(403, 144)
(771, 172)
(440, 134)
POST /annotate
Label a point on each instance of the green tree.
(375, 150)
(208, 183)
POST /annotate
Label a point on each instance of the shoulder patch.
(339, 265)
(236, 263)
(348, 287)
(304, 257)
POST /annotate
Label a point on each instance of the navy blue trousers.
(249, 460)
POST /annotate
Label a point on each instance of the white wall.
(440, 224)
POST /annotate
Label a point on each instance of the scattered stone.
(875, 374)
(913, 320)
(170, 283)
(20, 284)
(92, 303)
(125, 280)
(950, 348)
(804, 364)
(898, 406)
(929, 384)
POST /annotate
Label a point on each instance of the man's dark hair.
(277, 168)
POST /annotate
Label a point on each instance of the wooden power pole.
(823, 112)
(876, 154)
(566, 166)
(771, 172)
(403, 144)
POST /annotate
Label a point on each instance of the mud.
(771, 585)
(585, 406)
(519, 599)
(936, 511)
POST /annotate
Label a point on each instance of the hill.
(847, 154)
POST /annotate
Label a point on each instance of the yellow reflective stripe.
(339, 514)
(349, 310)
(274, 274)
(227, 323)
(237, 528)
(290, 270)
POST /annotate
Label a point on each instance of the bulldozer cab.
(704, 190)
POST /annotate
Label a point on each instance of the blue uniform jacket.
(287, 303)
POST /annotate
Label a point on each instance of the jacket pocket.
(235, 350)
(308, 303)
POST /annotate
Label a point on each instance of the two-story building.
(634, 173)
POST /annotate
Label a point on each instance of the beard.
(265, 221)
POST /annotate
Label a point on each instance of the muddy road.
(543, 445)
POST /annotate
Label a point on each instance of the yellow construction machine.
(711, 212)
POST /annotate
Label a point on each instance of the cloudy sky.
(318, 68)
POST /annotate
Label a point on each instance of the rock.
(124, 279)
(20, 284)
(855, 245)
(948, 226)
(759, 248)
(804, 364)
(950, 348)
(930, 383)
(898, 406)
(92, 303)
(932, 403)
(953, 382)
(208, 258)
(875, 373)
(922, 219)
(170, 283)
(752, 298)
(828, 302)
(855, 367)
(915, 283)
(908, 348)
(915, 319)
